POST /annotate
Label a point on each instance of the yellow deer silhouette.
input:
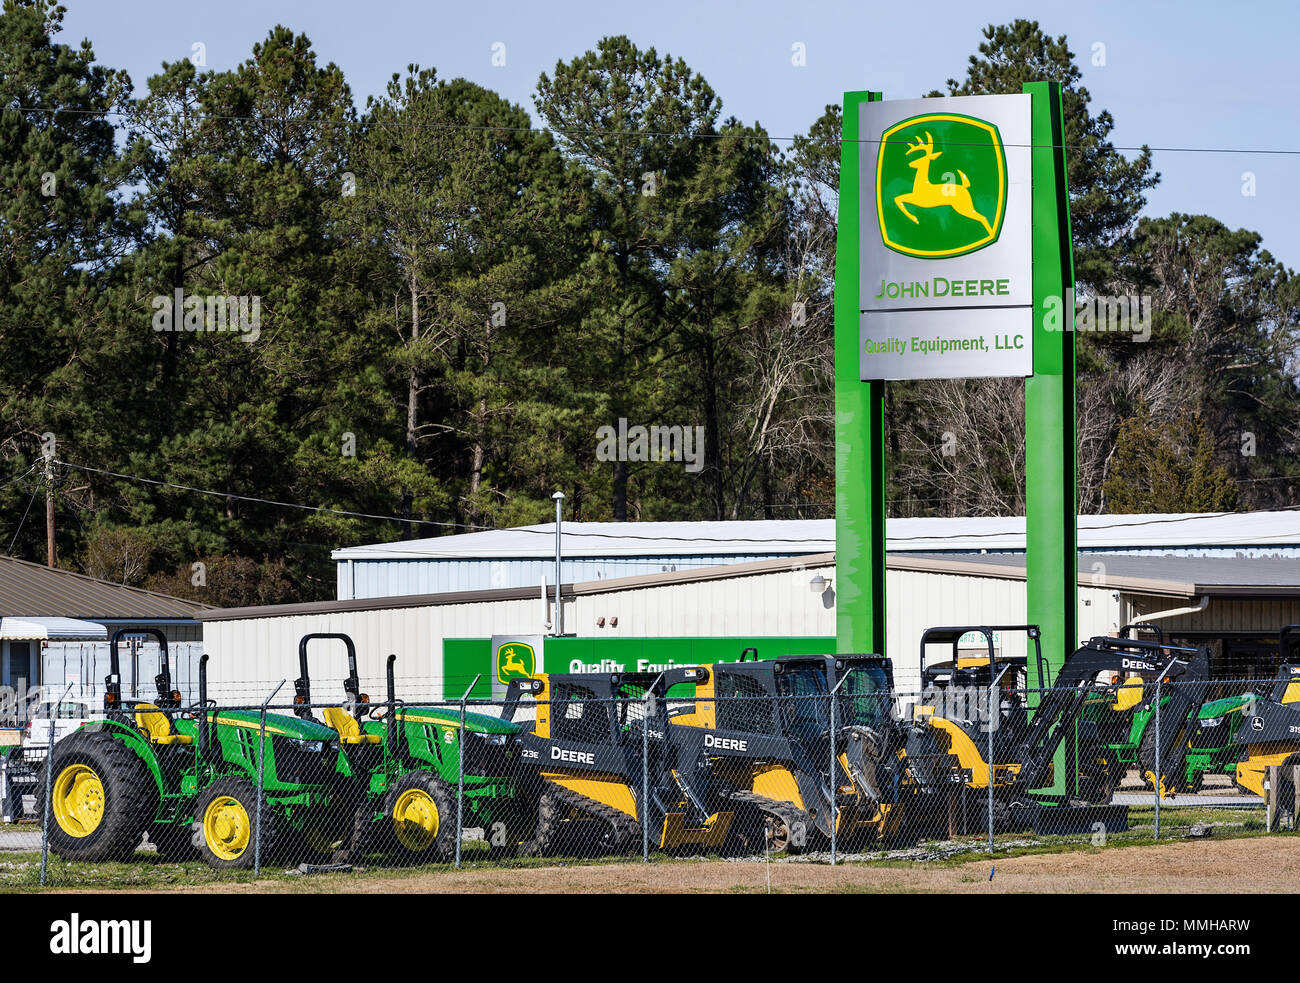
(927, 195)
(513, 664)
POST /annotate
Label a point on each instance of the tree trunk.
(412, 405)
(712, 437)
(620, 491)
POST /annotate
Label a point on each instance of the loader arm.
(1063, 703)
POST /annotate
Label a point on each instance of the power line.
(35, 492)
(569, 133)
(769, 541)
(265, 501)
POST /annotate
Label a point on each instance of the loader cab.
(973, 665)
(1286, 687)
(605, 708)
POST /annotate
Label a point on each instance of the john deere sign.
(954, 229)
(945, 210)
(946, 238)
(514, 657)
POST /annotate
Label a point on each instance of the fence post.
(993, 721)
(261, 771)
(1295, 796)
(1155, 779)
(460, 770)
(643, 812)
(834, 782)
(1270, 797)
(49, 785)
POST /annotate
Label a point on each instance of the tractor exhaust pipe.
(392, 701)
(203, 706)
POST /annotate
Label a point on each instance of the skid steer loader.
(608, 759)
(1270, 734)
(765, 728)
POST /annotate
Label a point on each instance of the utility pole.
(49, 510)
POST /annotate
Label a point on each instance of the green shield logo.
(941, 185)
(515, 660)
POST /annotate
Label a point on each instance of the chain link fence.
(815, 765)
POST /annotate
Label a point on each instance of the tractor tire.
(420, 819)
(324, 838)
(102, 798)
(226, 814)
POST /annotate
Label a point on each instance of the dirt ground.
(1249, 865)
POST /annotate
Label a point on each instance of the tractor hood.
(277, 725)
(447, 717)
(1217, 708)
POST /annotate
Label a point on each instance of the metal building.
(593, 551)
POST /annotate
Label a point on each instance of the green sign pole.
(859, 429)
(1051, 542)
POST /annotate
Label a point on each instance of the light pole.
(558, 498)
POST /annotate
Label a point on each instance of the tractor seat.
(156, 727)
(1129, 695)
(349, 730)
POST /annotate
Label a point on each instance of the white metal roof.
(801, 536)
(67, 628)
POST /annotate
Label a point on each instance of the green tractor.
(1124, 713)
(186, 777)
(402, 765)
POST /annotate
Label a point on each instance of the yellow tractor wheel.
(101, 797)
(226, 814)
(420, 812)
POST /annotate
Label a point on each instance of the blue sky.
(1176, 75)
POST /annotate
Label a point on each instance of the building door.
(16, 666)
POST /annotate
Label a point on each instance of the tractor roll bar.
(302, 685)
(162, 681)
(952, 635)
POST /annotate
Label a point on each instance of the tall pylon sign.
(953, 261)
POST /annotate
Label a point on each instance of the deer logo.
(515, 659)
(961, 212)
(926, 194)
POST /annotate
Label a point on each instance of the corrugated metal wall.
(85, 664)
(1223, 615)
(264, 650)
(358, 579)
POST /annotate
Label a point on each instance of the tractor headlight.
(497, 739)
(314, 747)
(1211, 722)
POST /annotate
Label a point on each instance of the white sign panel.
(946, 278)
